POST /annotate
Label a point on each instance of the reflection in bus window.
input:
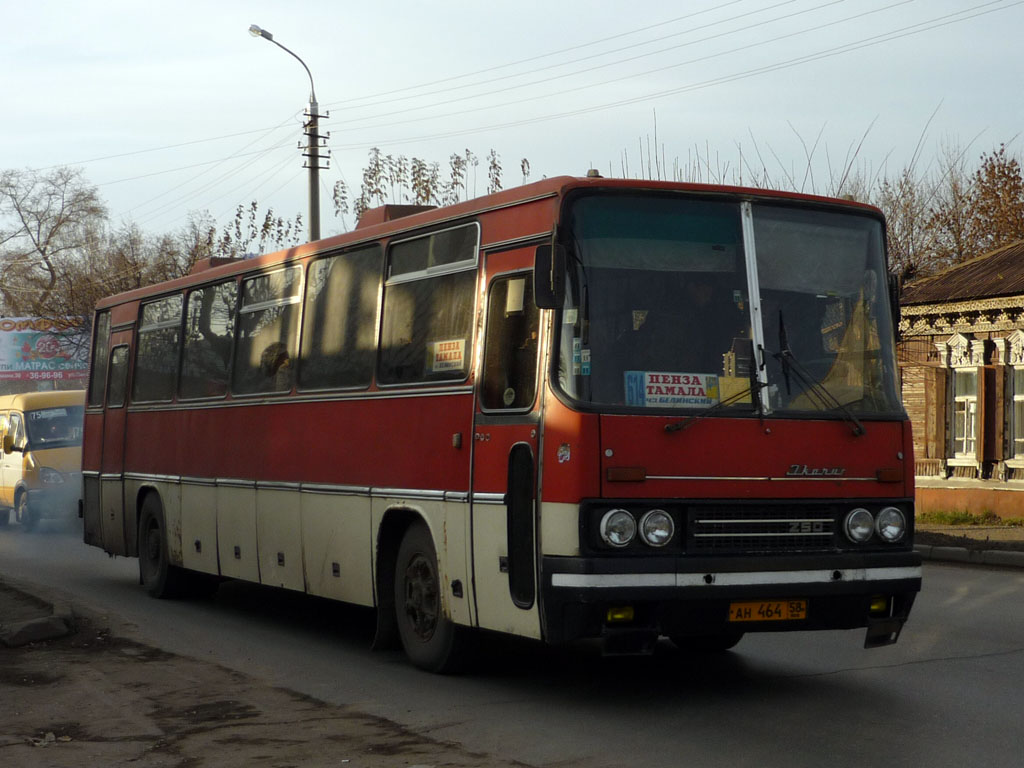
(510, 350)
(156, 361)
(267, 328)
(209, 328)
(339, 330)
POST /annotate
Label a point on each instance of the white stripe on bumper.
(759, 578)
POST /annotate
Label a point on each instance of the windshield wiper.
(679, 426)
(826, 400)
(753, 389)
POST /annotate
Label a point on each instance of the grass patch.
(963, 517)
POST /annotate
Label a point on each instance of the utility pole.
(311, 150)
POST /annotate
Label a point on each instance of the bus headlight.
(50, 476)
(618, 528)
(859, 525)
(891, 524)
(657, 528)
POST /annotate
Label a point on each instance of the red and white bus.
(581, 408)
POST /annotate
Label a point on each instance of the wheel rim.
(421, 597)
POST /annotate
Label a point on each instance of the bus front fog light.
(618, 528)
(859, 525)
(657, 528)
(891, 524)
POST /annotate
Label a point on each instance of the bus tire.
(159, 578)
(431, 641)
(706, 643)
(26, 516)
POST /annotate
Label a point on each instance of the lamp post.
(312, 133)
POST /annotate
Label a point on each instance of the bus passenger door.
(112, 522)
(505, 450)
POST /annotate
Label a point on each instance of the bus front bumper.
(56, 502)
(680, 597)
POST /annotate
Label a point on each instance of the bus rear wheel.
(159, 578)
(431, 641)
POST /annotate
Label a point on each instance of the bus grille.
(716, 530)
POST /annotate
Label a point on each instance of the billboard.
(37, 349)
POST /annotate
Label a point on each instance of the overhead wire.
(263, 135)
(690, 30)
(920, 27)
(626, 60)
(900, 33)
(537, 57)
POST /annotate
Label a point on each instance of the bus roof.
(31, 401)
(377, 223)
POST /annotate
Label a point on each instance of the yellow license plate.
(768, 610)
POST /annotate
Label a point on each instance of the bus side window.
(156, 359)
(510, 347)
(100, 349)
(266, 341)
(118, 376)
(339, 331)
(429, 301)
(209, 330)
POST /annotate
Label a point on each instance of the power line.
(626, 60)
(908, 31)
(535, 58)
(690, 30)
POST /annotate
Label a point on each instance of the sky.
(172, 108)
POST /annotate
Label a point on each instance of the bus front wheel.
(431, 641)
(25, 514)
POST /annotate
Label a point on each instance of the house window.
(965, 413)
(1017, 414)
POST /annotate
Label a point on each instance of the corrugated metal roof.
(999, 273)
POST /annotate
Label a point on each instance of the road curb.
(1000, 557)
(59, 623)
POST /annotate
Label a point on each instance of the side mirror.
(549, 277)
(8, 443)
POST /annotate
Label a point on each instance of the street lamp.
(313, 134)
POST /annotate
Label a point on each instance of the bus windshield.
(54, 427)
(658, 315)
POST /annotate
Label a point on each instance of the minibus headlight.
(859, 525)
(50, 476)
(657, 528)
(618, 528)
(891, 524)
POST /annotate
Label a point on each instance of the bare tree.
(493, 172)
(250, 233)
(46, 221)
(997, 202)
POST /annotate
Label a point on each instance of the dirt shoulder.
(974, 538)
(92, 698)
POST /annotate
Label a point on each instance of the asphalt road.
(948, 694)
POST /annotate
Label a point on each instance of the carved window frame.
(962, 356)
(1013, 356)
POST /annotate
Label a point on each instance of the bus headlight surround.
(50, 476)
(618, 528)
(657, 528)
(891, 524)
(859, 525)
